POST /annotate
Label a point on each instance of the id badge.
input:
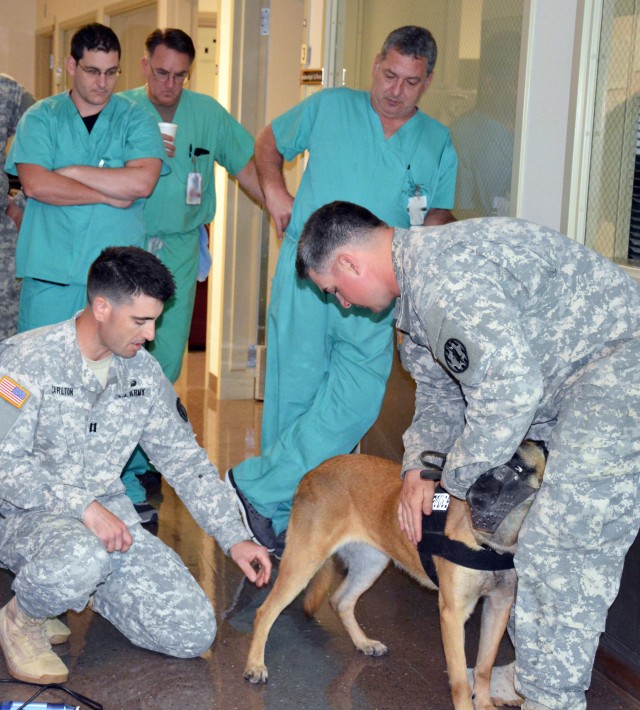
(417, 209)
(194, 189)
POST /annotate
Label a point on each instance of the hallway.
(312, 662)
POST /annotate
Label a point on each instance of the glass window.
(475, 85)
(613, 203)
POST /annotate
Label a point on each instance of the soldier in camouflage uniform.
(14, 101)
(513, 331)
(75, 400)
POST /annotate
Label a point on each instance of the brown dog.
(334, 514)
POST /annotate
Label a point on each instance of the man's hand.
(269, 164)
(14, 213)
(416, 498)
(280, 205)
(111, 531)
(169, 144)
(253, 560)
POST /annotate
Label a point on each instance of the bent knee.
(82, 568)
(191, 634)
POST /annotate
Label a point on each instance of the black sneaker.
(151, 482)
(258, 525)
(278, 548)
(147, 513)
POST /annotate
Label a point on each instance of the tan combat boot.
(57, 631)
(27, 650)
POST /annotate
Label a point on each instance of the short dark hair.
(414, 41)
(122, 273)
(332, 226)
(171, 38)
(94, 37)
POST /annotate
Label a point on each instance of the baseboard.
(616, 667)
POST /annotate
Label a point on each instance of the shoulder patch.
(456, 356)
(12, 392)
(181, 410)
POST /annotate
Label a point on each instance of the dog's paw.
(256, 674)
(373, 648)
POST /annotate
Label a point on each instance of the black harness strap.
(435, 542)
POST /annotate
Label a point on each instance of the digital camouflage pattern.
(514, 332)
(14, 101)
(63, 448)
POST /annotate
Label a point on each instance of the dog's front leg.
(295, 572)
(495, 616)
(456, 601)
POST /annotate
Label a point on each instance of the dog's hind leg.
(296, 569)
(495, 616)
(365, 564)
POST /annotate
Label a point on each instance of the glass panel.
(475, 85)
(613, 203)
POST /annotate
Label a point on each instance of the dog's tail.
(319, 587)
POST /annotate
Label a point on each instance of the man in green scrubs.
(86, 160)
(326, 373)
(185, 199)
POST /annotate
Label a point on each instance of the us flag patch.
(13, 392)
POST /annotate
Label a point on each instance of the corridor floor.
(312, 662)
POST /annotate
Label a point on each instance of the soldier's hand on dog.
(106, 526)
(416, 498)
(253, 560)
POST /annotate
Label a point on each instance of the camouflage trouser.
(572, 546)
(146, 593)
(9, 285)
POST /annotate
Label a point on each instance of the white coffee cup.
(168, 129)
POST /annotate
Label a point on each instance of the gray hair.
(332, 226)
(413, 41)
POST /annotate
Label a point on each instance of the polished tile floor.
(311, 661)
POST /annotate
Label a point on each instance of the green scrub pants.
(327, 370)
(180, 254)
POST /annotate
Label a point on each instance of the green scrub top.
(59, 243)
(202, 123)
(381, 173)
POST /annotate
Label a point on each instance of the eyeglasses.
(96, 73)
(163, 76)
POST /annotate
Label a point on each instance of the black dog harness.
(435, 542)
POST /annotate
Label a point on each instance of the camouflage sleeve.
(170, 443)
(474, 329)
(439, 410)
(24, 482)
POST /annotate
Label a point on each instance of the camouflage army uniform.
(14, 101)
(65, 447)
(515, 331)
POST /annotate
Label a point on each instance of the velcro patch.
(440, 501)
(12, 392)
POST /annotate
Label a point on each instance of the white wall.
(545, 104)
(17, 41)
